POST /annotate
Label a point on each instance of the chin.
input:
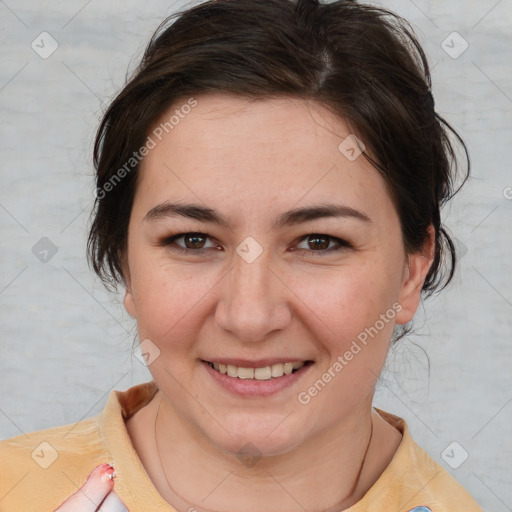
(255, 438)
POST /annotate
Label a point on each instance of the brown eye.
(318, 241)
(194, 240)
(318, 244)
(188, 243)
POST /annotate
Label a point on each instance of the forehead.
(243, 126)
(229, 150)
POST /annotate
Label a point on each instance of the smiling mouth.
(264, 373)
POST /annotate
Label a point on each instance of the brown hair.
(362, 62)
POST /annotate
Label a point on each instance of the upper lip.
(259, 363)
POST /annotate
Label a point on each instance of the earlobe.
(129, 303)
(415, 272)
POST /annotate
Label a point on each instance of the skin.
(251, 161)
(96, 494)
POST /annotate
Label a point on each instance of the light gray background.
(66, 343)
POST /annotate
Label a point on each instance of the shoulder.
(414, 482)
(440, 490)
(40, 469)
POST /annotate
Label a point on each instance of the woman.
(269, 191)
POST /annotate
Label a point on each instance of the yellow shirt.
(40, 470)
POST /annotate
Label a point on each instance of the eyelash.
(169, 243)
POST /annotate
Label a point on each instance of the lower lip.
(254, 387)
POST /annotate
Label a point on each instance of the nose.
(254, 300)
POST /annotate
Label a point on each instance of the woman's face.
(269, 277)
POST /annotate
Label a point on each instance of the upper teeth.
(265, 373)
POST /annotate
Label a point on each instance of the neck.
(328, 473)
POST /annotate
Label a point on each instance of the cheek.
(348, 299)
(355, 338)
(169, 301)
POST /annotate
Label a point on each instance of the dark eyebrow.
(308, 213)
(189, 211)
(290, 218)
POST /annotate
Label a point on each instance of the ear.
(128, 301)
(415, 272)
